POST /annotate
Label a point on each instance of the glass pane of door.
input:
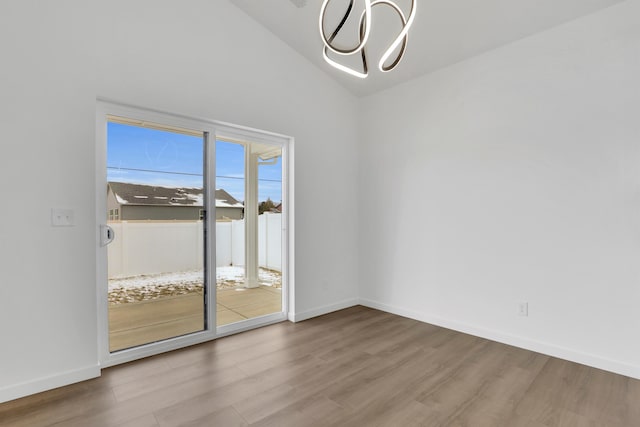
(248, 231)
(155, 207)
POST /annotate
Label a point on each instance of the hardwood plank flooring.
(355, 367)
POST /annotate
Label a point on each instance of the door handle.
(106, 235)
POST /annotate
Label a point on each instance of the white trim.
(140, 352)
(553, 350)
(255, 322)
(326, 309)
(288, 254)
(102, 308)
(210, 233)
(223, 129)
(39, 385)
(241, 134)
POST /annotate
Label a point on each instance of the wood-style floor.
(356, 367)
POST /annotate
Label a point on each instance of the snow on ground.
(232, 276)
(162, 279)
(151, 286)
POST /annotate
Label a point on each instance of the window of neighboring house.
(110, 214)
(116, 214)
(201, 214)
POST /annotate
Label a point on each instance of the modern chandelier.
(365, 30)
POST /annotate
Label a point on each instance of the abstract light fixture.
(365, 31)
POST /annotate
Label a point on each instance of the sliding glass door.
(155, 211)
(193, 231)
(248, 246)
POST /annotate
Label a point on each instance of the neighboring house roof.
(149, 195)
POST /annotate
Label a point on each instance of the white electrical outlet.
(523, 309)
(62, 218)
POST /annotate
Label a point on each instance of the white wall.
(205, 59)
(514, 176)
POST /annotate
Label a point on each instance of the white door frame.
(213, 130)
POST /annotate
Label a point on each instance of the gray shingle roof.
(149, 195)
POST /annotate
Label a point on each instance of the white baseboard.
(47, 383)
(319, 311)
(592, 360)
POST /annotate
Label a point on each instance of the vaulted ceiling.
(444, 31)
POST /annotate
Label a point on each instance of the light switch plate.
(62, 217)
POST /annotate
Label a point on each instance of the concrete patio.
(143, 322)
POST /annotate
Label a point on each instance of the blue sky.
(148, 156)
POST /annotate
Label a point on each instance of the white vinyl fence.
(270, 241)
(162, 247)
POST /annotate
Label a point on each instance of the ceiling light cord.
(365, 29)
